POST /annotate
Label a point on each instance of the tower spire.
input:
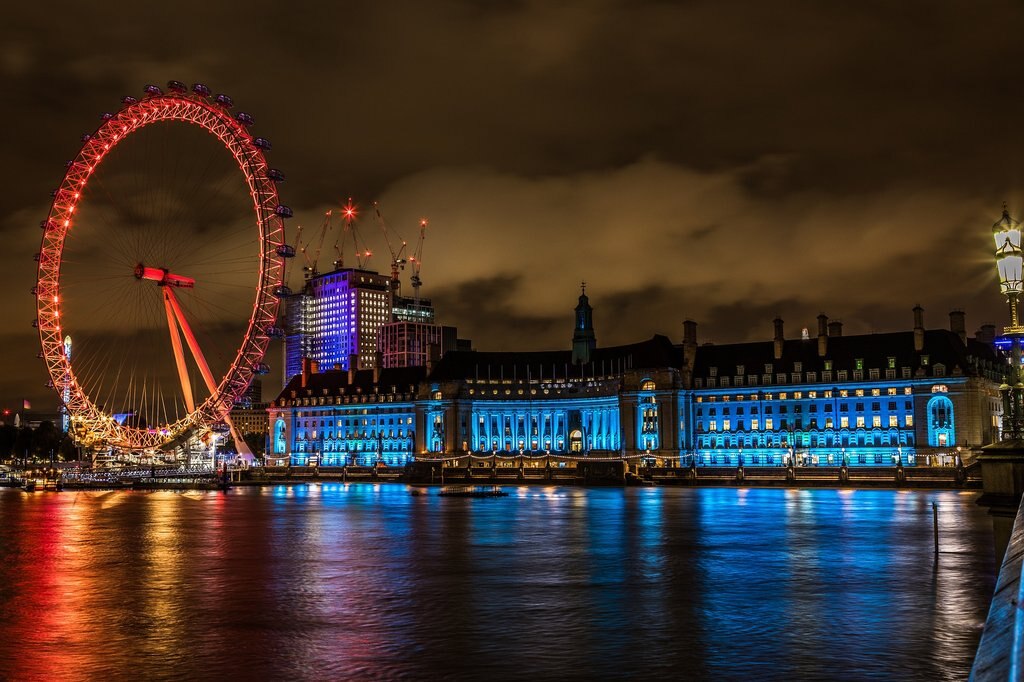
(583, 339)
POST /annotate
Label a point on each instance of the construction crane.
(363, 254)
(416, 262)
(311, 264)
(398, 259)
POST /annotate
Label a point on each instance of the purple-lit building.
(335, 319)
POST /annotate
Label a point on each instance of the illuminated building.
(340, 417)
(408, 309)
(408, 344)
(874, 399)
(336, 318)
(904, 398)
(65, 392)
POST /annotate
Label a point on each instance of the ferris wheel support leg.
(240, 445)
(179, 355)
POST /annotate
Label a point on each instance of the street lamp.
(1009, 260)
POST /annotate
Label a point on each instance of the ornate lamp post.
(1009, 260)
(1002, 462)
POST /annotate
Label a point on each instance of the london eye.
(163, 257)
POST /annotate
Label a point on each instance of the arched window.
(941, 431)
(647, 385)
(576, 441)
(280, 441)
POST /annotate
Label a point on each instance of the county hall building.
(921, 396)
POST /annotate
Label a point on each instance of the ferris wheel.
(163, 257)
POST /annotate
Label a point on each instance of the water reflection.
(350, 581)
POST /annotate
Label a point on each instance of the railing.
(1001, 650)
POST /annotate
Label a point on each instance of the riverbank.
(606, 474)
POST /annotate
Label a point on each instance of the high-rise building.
(408, 344)
(406, 309)
(337, 317)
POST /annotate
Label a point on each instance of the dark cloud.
(724, 161)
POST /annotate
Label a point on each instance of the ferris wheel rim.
(247, 151)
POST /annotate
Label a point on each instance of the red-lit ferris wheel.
(164, 258)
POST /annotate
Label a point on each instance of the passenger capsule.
(106, 116)
(275, 175)
(86, 137)
(200, 89)
(176, 86)
(275, 332)
(283, 211)
(224, 101)
(244, 118)
(263, 368)
(153, 90)
(282, 290)
(129, 100)
(286, 251)
(261, 142)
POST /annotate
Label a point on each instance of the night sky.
(720, 161)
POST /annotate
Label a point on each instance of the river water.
(365, 581)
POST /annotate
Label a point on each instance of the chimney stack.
(779, 338)
(353, 365)
(987, 334)
(918, 328)
(689, 342)
(958, 325)
(822, 334)
(835, 328)
(306, 371)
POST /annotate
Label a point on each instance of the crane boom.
(416, 261)
(398, 259)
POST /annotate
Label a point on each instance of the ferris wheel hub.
(163, 277)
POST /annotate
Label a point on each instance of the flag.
(27, 405)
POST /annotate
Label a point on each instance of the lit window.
(876, 421)
(908, 420)
(860, 422)
(844, 422)
(894, 420)
(768, 424)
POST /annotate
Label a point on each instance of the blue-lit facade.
(912, 398)
(339, 418)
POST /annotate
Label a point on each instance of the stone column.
(1002, 472)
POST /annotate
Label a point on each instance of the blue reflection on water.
(357, 580)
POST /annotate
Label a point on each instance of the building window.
(894, 420)
(858, 363)
(940, 421)
(844, 422)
